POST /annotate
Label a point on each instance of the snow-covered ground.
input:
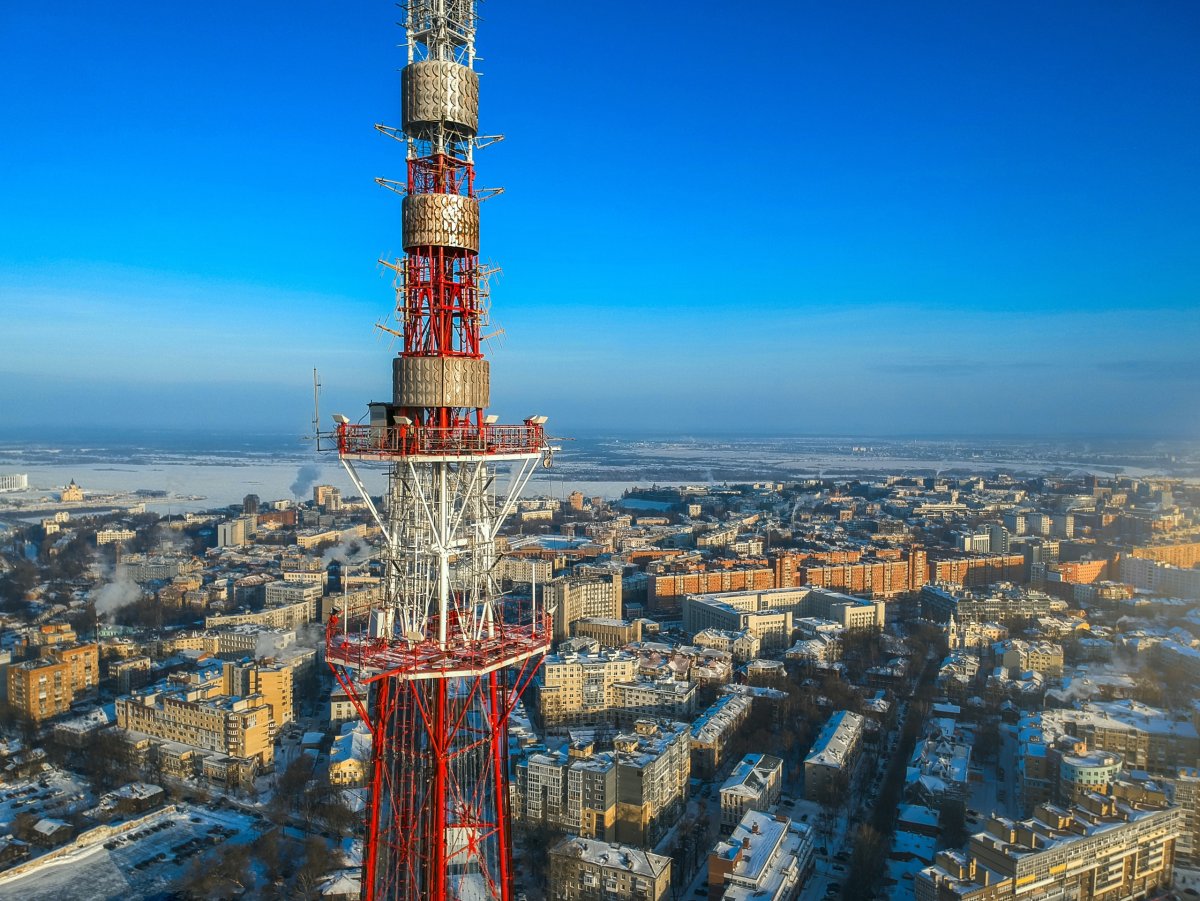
(108, 868)
(52, 794)
(1185, 878)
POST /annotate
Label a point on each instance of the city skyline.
(955, 221)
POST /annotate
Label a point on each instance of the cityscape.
(825, 605)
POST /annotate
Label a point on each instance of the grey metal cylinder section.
(440, 382)
(441, 220)
(437, 92)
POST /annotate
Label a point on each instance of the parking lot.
(137, 863)
(52, 794)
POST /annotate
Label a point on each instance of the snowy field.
(137, 864)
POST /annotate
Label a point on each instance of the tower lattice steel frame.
(437, 666)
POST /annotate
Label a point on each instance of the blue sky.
(850, 218)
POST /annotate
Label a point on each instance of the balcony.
(367, 442)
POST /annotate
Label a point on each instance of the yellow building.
(201, 717)
(71, 493)
(576, 689)
(592, 870)
(350, 756)
(573, 598)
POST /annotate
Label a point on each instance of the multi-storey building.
(113, 536)
(706, 613)
(1183, 787)
(573, 598)
(1081, 772)
(39, 689)
(754, 784)
(654, 764)
(768, 614)
(155, 567)
(579, 689)
(1002, 602)
(130, 673)
(940, 770)
(575, 790)
(653, 698)
(611, 633)
(830, 762)
(977, 569)
(274, 681)
(1103, 849)
(592, 870)
(1146, 738)
(821, 651)
(665, 591)
(285, 616)
(47, 686)
(1185, 554)
(327, 497)
(1160, 578)
(1042, 656)
(14, 481)
(742, 646)
(767, 858)
(196, 713)
(712, 730)
(873, 577)
(525, 569)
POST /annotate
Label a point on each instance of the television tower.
(437, 665)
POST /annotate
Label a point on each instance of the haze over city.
(862, 218)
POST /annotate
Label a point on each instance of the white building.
(754, 784)
(14, 482)
(767, 858)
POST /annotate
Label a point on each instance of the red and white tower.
(437, 665)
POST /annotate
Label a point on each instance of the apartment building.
(584, 869)
(741, 646)
(39, 689)
(831, 760)
(1160, 578)
(977, 569)
(196, 713)
(766, 858)
(1000, 603)
(47, 686)
(611, 633)
(1104, 848)
(1183, 787)
(665, 591)
(1147, 738)
(712, 730)
(284, 616)
(652, 697)
(871, 577)
(654, 764)
(573, 598)
(754, 784)
(573, 790)
(1041, 656)
(274, 681)
(579, 689)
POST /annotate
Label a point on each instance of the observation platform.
(374, 658)
(455, 444)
